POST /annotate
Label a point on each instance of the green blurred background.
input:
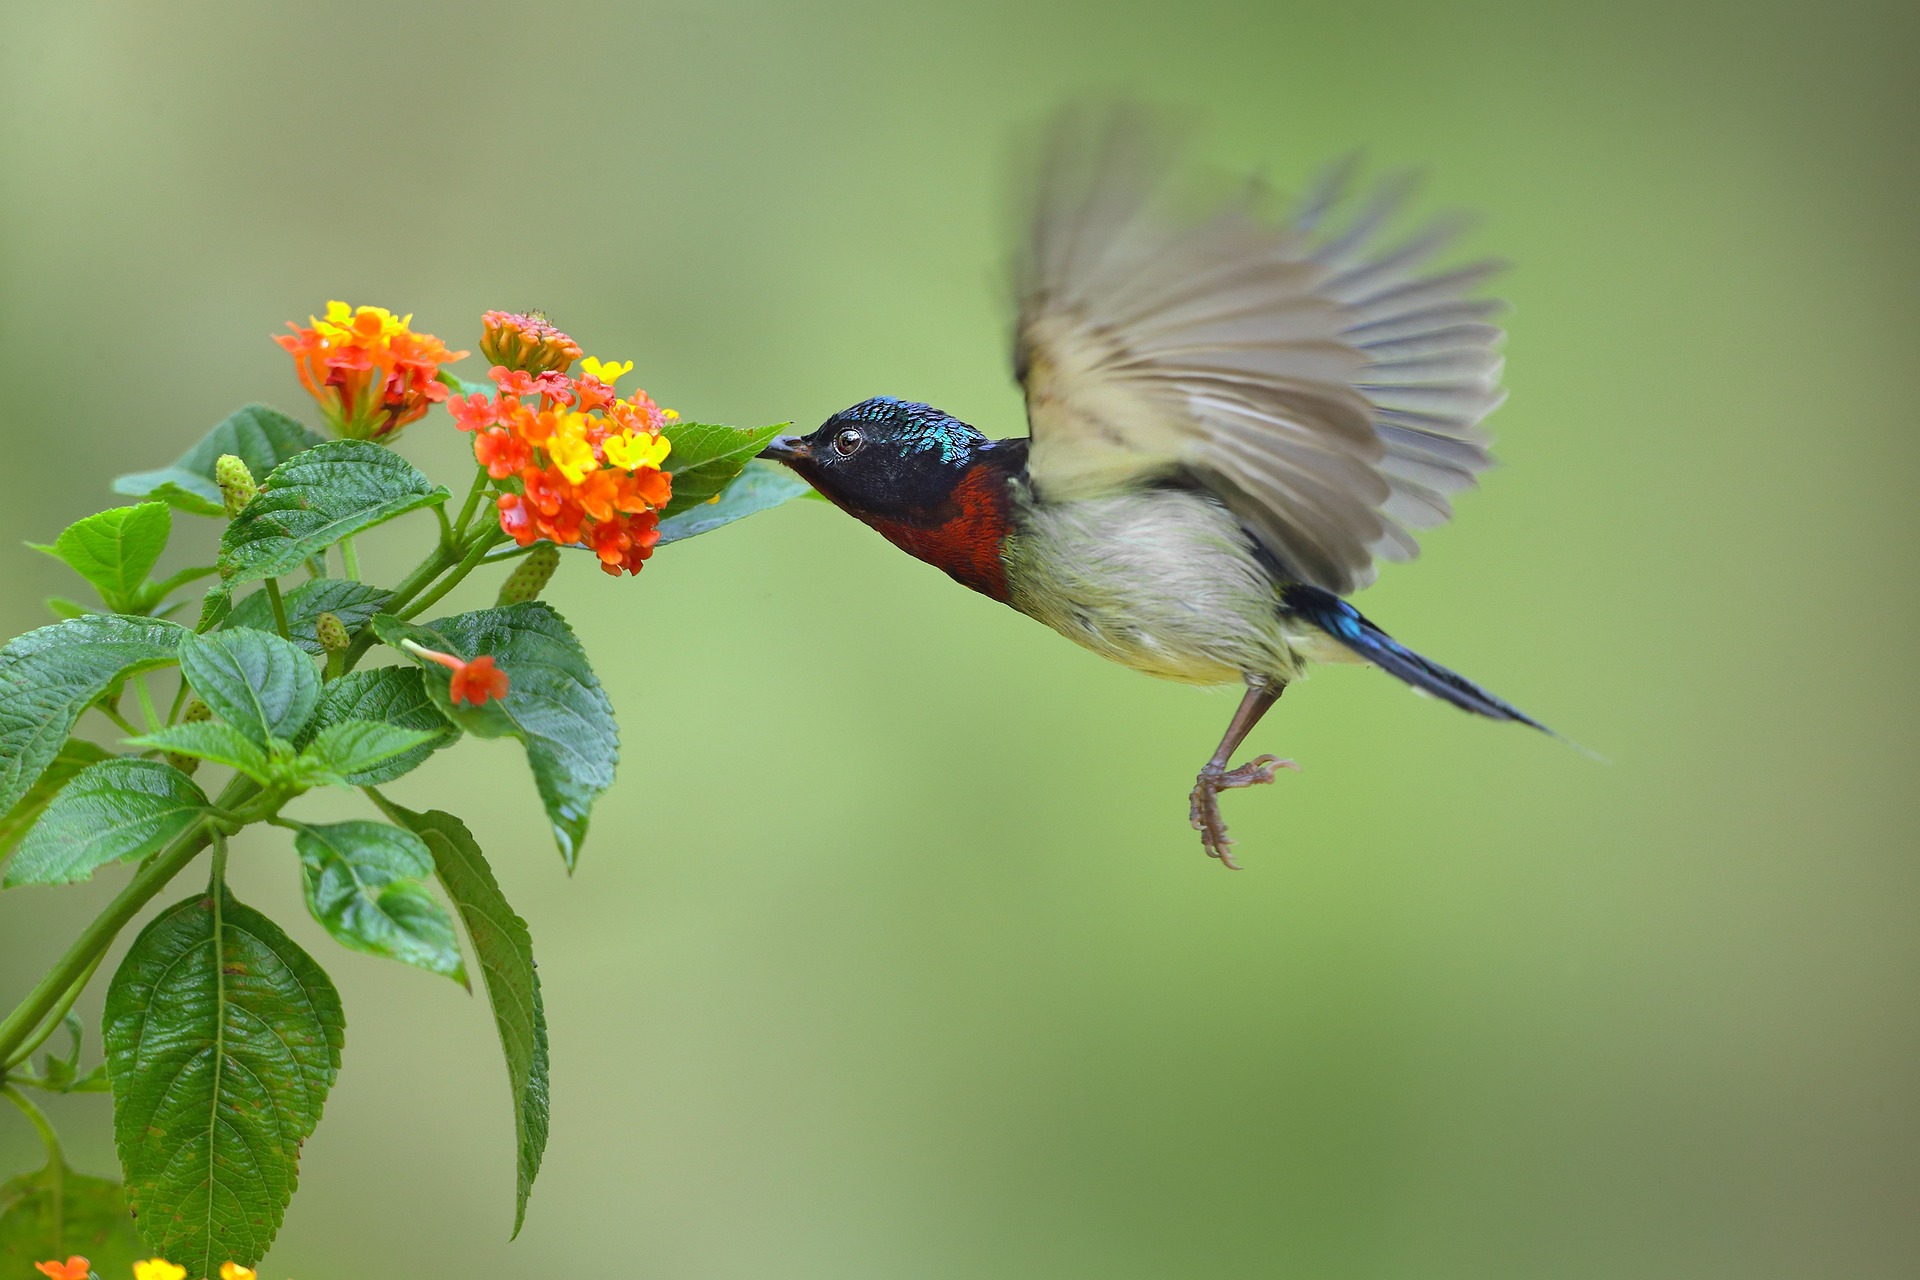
(892, 954)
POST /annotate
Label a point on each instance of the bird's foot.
(1204, 805)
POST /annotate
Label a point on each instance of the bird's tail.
(1344, 623)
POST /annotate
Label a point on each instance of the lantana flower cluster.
(371, 373)
(584, 461)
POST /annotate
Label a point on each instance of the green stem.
(179, 701)
(58, 1014)
(279, 609)
(473, 500)
(93, 942)
(55, 1156)
(447, 535)
(349, 559)
(452, 580)
(510, 553)
(113, 713)
(147, 709)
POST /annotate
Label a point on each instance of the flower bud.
(531, 576)
(525, 342)
(331, 632)
(196, 711)
(236, 483)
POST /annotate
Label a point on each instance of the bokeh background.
(891, 954)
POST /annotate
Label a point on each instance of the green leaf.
(56, 1213)
(50, 675)
(223, 1038)
(554, 703)
(205, 740)
(760, 487)
(705, 459)
(353, 749)
(316, 498)
(112, 812)
(260, 684)
(75, 754)
(115, 550)
(504, 949)
(392, 695)
(366, 885)
(263, 438)
(352, 602)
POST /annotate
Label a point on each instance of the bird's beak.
(787, 449)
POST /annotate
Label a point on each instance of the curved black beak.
(786, 449)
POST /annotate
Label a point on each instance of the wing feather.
(1328, 390)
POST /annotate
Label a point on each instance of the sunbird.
(1232, 417)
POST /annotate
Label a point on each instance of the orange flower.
(74, 1268)
(371, 373)
(582, 466)
(525, 342)
(473, 682)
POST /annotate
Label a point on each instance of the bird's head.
(885, 459)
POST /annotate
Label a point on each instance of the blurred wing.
(1328, 391)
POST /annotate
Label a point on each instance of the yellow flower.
(608, 371)
(633, 451)
(159, 1268)
(234, 1271)
(569, 448)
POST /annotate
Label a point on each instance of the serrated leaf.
(223, 1038)
(263, 438)
(504, 949)
(761, 486)
(115, 550)
(353, 749)
(55, 1213)
(260, 684)
(554, 704)
(316, 498)
(50, 675)
(705, 458)
(392, 695)
(352, 602)
(205, 740)
(366, 885)
(112, 812)
(74, 755)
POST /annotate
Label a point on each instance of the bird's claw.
(1203, 809)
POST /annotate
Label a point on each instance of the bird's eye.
(848, 442)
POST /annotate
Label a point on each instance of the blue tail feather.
(1346, 624)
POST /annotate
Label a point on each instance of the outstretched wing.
(1327, 390)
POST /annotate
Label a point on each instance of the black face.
(884, 457)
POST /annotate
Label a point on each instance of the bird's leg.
(1204, 804)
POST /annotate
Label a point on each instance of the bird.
(1234, 415)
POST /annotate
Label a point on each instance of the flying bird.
(1233, 418)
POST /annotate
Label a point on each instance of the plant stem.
(349, 559)
(467, 508)
(179, 701)
(452, 580)
(279, 608)
(55, 1156)
(58, 1014)
(93, 942)
(113, 713)
(145, 695)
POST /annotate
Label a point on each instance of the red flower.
(74, 1268)
(473, 413)
(473, 682)
(512, 382)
